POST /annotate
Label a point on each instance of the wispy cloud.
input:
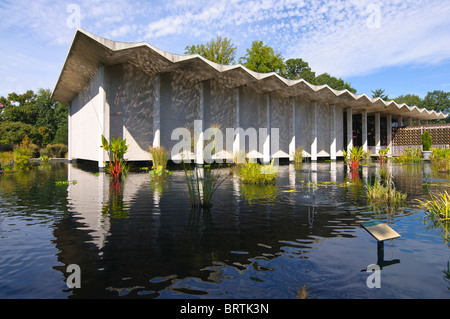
(344, 38)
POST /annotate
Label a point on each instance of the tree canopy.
(380, 93)
(296, 69)
(34, 115)
(262, 58)
(219, 50)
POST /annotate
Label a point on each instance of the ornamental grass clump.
(160, 158)
(202, 184)
(440, 158)
(254, 173)
(384, 194)
(410, 155)
(438, 206)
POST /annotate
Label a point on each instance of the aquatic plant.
(437, 210)
(160, 157)
(440, 159)
(254, 173)
(410, 155)
(298, 155)
(382, 155)
(202, 184)
(117, 166)
(252, 192)
(384, 193)
(353, 157)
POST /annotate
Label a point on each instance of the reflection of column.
(333, 171)
(157, 114)
(389, 132)
(364, 130)
(292, 144)
(314, 172)
(333, 135)
(314, 134)
(349, 130)
(198, 128)
(292, 174)
(377, 132)
(365, 173)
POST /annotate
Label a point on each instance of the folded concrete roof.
(89, 51)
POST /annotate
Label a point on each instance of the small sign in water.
(380, 231)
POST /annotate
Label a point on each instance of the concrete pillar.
(69, 133)
(237, 140)
(102, 155)
(314, 134)
(333, 135)
(157, 114)
(389, 132)
(409, 121)
(425, 122)
(198, 127)
(266, 146)
(365, 144)
(349, 130)
(377, 132)
(400, 121)
(292, 144)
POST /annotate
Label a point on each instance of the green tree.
(295, 69)
(380, 93)
(262, 58)
(219, 50)
(19, 108)
(409, 99)
(15, 132)
(334, 83)
(439, 101)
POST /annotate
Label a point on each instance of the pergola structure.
(142, 93)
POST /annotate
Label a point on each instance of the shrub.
(298, 155)
(15, 132)
(55, 150)
(410, 155)
(440, 158)
(426, 141)
(61, 135)
(22, 157)
(254, 173)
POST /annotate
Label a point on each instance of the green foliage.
(295, 69)
(61, 136)
(15, 132)
(354, 156)
(382, 154)
(55, 150)
(380, 93)
(426, 141)
(438, 206)
(382, 194)
(410, 155)
(437, 100)
(333, 82)
(22, 157)
(202, 184)
(219, 50)
(35, 115)
(262, 58)
(409, 99)
(254, 173)
(117, 166)
(298, 155)
(440, 158)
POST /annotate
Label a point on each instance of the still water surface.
(145, 241)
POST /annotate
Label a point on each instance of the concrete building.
(143, 94)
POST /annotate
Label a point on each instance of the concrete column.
(349, 129)
(389, 132)
(266, 146)
(102, 156)
(425, 122)
(314, 134)
(409, 121)
(400, 121)
(69, 133)
(198, 127)
(364, 130)
(292, 144)
(377, 132)
(237, 141)
(333, 135)
(157, 114)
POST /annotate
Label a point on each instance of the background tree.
(409, 99)
(380, 93)
(295, 69)
(219, 50)
(262, 58)
(439, 101)
(333, 82)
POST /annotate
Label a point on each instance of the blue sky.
(400, 46)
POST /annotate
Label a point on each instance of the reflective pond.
(142, 240)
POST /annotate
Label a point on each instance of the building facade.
(145, 95)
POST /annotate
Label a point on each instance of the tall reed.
(202, 184)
